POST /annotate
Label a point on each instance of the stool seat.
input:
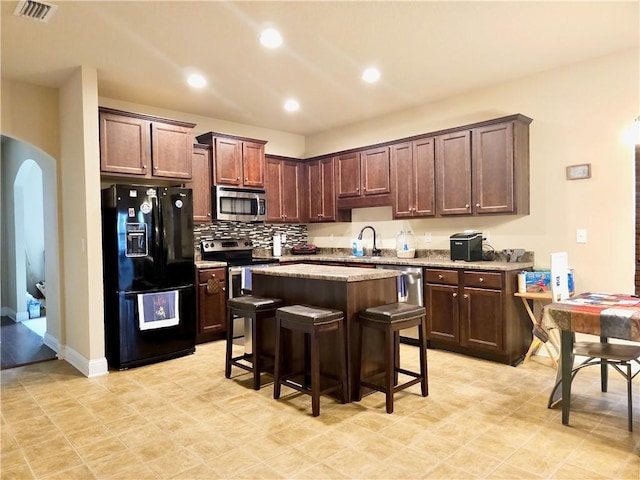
(258, 309)
(393, 312)
(390, 319)
(249, 302)
(308, 314)
(312, 322)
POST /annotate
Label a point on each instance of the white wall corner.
(8, 312)
(89, 368)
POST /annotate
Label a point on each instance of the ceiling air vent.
(41, 11)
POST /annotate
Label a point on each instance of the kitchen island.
(349, 289)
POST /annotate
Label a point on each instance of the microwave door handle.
(257, 206)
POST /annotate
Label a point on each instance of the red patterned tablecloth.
(601, 314)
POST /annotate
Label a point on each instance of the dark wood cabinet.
(201, 184)
(212, 304)
(453, 173)
(484, 170)
(237, 161)
(321, 192)
(142, 146)
(363, 178)
(284, 180)
(412, 178)
(474, 312)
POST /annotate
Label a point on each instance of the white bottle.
(277, 246)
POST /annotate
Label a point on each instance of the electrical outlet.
(427, 237)
(581, 235)
(486, 236)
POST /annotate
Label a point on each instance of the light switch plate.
(581, 235)
(427, 237)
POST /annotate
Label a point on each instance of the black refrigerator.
(149, 274)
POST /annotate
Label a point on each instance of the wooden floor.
(21, 346)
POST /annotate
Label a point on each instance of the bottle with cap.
(277, 246)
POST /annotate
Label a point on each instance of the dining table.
(607, 315)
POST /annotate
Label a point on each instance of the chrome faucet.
(375, 251)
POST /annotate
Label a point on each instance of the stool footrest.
(287, 382)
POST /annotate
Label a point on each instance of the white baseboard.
(52, 342)
(22, 316)
(89, 368)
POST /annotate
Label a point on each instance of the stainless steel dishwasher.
(409, 290)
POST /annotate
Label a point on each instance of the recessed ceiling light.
(271, 38)
(291, 105)
(196, 80)
(371, 75)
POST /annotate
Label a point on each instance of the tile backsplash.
(261, 234)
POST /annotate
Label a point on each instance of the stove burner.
(235, 252)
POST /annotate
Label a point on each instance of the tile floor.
(181, 419)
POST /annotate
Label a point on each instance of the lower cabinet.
(474, 312)
(212, 304)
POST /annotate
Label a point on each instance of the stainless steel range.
(238, 254)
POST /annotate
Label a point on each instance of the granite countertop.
(411, 262)
(201, 264)
(326, 272)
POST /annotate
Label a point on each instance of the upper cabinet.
(142, 146)
(284, 184)
(363, 178)
(484, 169)
(201, 184)
(321, 192)
(237, 161)
(412, 179)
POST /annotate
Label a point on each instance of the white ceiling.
(426, 51)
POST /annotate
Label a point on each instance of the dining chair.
(619, 356)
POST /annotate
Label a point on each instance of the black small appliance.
(466, 246)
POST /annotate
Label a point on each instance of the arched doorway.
(30, 247)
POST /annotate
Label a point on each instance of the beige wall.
(580, 113)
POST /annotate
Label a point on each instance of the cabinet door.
(442, 313)
(375, 171)
(290, 191)
(212, 301)
(275, 212)
(227, 161)
(348, 175)
(172, 149)
(424, 186)
(453, 173)
(493, 169)
(253, 164)
(321, 192)
(125, 144)
(201, 184)
(403, 180)
(482, 320)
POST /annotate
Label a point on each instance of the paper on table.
(559, 276)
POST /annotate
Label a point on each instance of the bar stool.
(311, 321)
(390, 319)
(257, 309)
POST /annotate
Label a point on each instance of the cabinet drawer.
(204, 275)
(483, 279)
(447, 277)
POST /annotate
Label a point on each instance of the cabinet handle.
(466, 205)
(477, 205)
(246, 179)
(208, 214)
(155, 168)
(455, 295)
(465, 296)
(481, 279)
(144, 167)
(440, 277)
(237, 178)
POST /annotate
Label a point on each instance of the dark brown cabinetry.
(201, 184)
(363, 178)
(412, 179)
(321, 193)
(212, 304)
(142, 146)
(238, 161)
(484, 170)
(284, 180)
(474, 312)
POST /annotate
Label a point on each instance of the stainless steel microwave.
(239, 204)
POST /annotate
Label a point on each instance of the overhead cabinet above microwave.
(142, 146)
(238, 161)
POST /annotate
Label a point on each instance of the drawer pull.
(455, 295)
(440, 276)
(465, 296)
(481, 279)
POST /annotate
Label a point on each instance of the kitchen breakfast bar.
(348, 289)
